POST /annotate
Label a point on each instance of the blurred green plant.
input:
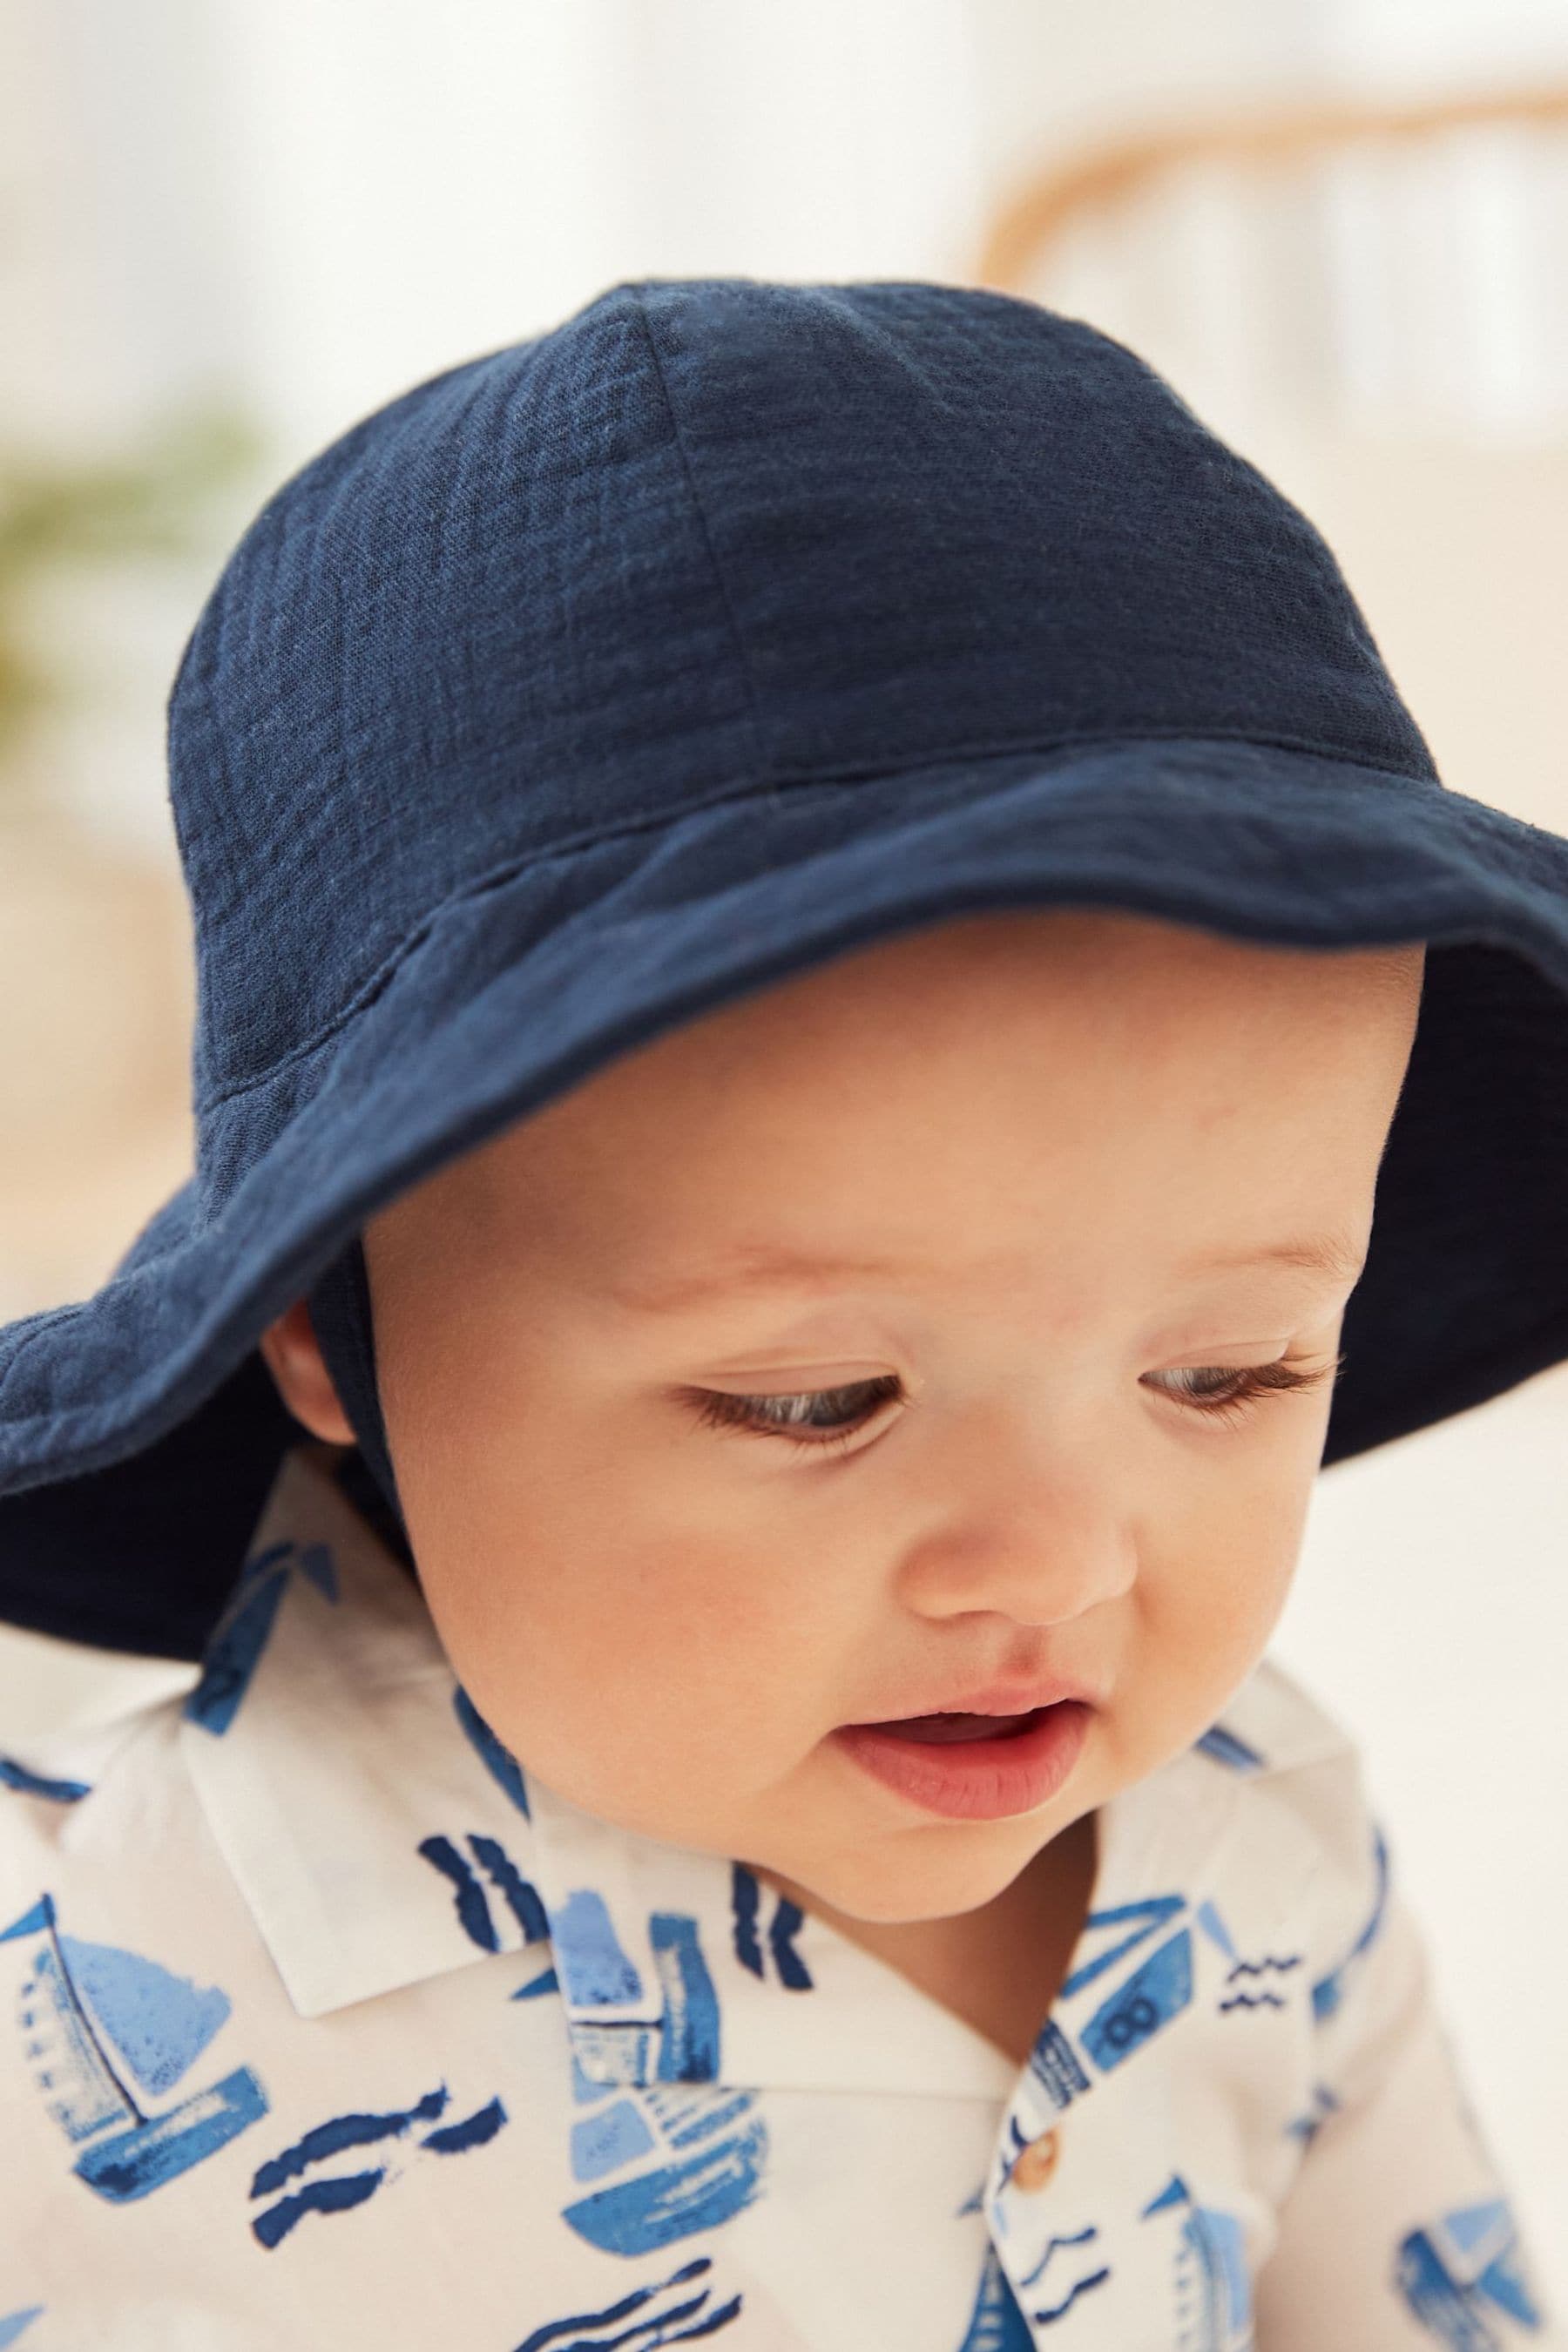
(155, 501)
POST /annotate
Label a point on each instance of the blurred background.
(1339, 226)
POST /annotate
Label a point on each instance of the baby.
(843, 1033)
(959, 1318)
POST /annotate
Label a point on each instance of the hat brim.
(513, 992)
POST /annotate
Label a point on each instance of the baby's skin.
(1047, 1128)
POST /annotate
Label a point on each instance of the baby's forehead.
(861, 1076)
(1062, 960)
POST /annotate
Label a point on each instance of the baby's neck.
(999, 1967)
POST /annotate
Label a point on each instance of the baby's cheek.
(726, 1619)
(1202, 1624)
(634, 1710)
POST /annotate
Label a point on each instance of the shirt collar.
(380, 1836)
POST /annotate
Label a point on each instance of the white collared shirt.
(324, 2024)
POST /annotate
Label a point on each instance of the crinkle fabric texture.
(725, 627)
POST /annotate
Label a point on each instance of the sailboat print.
(692, 2152)
(78, 2001)
(1212, 2290)
(1463, 2270)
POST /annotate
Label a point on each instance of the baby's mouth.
(940, 1730)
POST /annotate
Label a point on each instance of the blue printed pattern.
(1459, 2271)
(781, 1961)
(473, 1907)
(342, 2190)
(1305, 2127)
(1069, 2267)
(1330, 1990)
(15, 1775)
(659, 2149)
(234, 1651)
(1147, 1949)
(1152, 1988)
(76, 2003)
(1275, 1965)
(1210, 2288)
(1227, 1747)
(685, 2162)
(996, 2324)
(673, 2181)
(646, 2317)
(1145, 2001)
(667, 2162)
(498, 1760)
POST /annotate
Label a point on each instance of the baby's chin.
(922, 1877)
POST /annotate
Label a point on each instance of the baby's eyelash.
(1257, 1381)
(717, 1408)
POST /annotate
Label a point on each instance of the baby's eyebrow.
(1334, 1254)
(758, 1267)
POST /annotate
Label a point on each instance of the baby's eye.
(1240, 1388)
(820, 1419)
(822, 1409)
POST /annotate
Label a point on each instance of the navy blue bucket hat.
(724, 628)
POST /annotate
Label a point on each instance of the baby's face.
(1049, 1129)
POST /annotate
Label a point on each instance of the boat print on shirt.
(1140, 1966)
(1460, 2270)
(1211, 2291)
(690, 2152)
(672, 2152)
(76, 2003)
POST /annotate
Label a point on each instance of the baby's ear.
(292, 1355)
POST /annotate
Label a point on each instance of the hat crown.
(730, 625)
(704, 539)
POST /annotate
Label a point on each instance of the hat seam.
(689, 476)
(795, 781)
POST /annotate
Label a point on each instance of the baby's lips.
(938, 1730)
(1001, 1701)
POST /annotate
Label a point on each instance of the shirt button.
(1035, 2163)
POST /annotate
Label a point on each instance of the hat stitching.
(719, 582)
(497, 877)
